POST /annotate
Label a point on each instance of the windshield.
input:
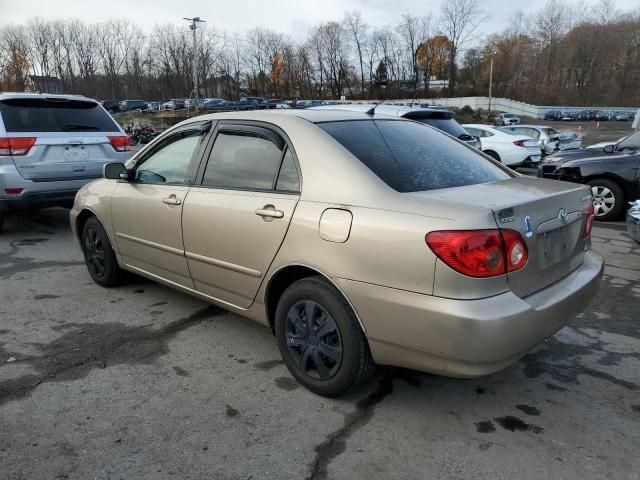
(449, 126)
(631, 142)
(410, 157)
(44, 115)
(509, 115)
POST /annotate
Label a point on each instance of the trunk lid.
(548, 214)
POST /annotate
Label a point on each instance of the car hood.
(577, 154)
(568, 163)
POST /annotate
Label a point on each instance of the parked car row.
(588, 115)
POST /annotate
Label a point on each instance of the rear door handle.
(172, 200)
(269, 212)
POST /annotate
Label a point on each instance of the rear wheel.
(493, 155)
(608, 199)
(320, 339)
(99, 255)
(1, 221)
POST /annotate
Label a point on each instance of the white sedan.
(511, 150)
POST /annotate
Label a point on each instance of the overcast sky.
(293, 17)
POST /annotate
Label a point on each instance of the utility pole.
(491, 78)
(490, 82)
(194, 25)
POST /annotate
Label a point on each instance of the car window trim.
(204, 159)
(203, 128)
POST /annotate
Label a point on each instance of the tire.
(99, 255)
(608, 199)
(493, 155)
(1, 221)
(333, 355)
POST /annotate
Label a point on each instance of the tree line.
(561, 54)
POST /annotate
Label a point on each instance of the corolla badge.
(528, 228)
(562, 215)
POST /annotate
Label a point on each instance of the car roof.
(526, 125)
(478, 125)
(311, 115)
(8, 95)
(392, 110)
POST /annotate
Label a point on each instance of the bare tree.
(460, 19)
(358, 30)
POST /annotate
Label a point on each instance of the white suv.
(50, 146)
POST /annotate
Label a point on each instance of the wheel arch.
(84, 215)
(285, 276)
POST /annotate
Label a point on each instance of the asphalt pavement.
(143, 382)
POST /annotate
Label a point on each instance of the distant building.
(44, 84)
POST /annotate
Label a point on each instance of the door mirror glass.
(608, 149)
(115, 171)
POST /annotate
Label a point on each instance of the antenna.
(372, 110)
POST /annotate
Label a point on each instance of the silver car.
(50, 146)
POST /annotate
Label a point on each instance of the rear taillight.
(16, 146)
(13, 191)
(121, 143)
(519, 143)
(588, 223)
(480, 253)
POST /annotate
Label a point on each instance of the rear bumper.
(467, 338)
(36, 194)
(35, 200)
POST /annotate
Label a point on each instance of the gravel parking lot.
(144, 382)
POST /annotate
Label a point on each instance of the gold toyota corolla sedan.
(359, 239)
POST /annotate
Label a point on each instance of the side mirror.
(608, 149)
(115, 171)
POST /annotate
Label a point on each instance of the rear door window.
(243, 160)
(410, 157)
(44, 115)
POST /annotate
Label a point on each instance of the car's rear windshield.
(450, 126)
(410, 157)
(42, 115)
(510, 130)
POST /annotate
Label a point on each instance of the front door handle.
(172, 200)
(269, 212)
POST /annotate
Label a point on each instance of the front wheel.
(99, 256)
(608, 199)
(320, 339)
